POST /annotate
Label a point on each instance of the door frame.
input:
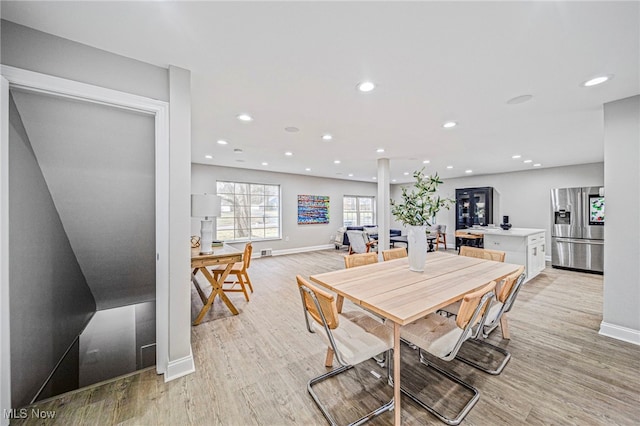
(11, 77)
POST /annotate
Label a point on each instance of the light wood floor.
(252, 369)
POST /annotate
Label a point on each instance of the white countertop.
(514, 232)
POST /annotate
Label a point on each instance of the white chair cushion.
(358, 337)
(434, 333)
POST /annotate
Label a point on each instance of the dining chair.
(360, 259)
(351, 338)
(443, 336)
(394, 253)
(239, 269)
(480, 253)
(359, 242)
(441, 236)
(506, 293)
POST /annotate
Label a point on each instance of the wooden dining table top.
(391, 290)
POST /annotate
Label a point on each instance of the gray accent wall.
(34, 50)
(523, 196)
(50, 302)
(99, 164)
(294, 236)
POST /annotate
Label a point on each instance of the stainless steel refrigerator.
(577, 228)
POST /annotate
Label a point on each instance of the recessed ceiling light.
(515, 157)
(264, 163)
(380, 150)
(288, 153)
(406, 173)
(519, 99)
(528, 161)
(374, 178)
(350, 174)
(291, 129)
(449, 124)
(449, 167)
(208, 157)
(468, 171)
(308, 169)
(393, 180)
(426, 162)
(222, 142)
(244, 117)
(327, 137)
(336, 161)
(237, 151)
(366, 86)
(537, 165)
(597, 80)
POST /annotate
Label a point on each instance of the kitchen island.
(523, 246)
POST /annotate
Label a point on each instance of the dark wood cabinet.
(474, 206)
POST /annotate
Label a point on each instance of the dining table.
(399, 295)
(225, 255)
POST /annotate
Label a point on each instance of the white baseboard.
(180, 367)
(302, 249)
(621, 333)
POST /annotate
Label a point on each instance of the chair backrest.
(246, 256)
(360, 259)
(394, 253)
(358, 241)
(325, 311)
(509, 285)
(479, 253)
(474, 305)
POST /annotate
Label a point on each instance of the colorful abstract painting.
(313, 209)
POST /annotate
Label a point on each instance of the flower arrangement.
(420, 203)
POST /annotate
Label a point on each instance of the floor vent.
(265, 252)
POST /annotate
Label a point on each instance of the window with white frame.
(249, 211)
(358, 210)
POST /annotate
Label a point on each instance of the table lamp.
(208, 207)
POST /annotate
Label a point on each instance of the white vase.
(417, 246)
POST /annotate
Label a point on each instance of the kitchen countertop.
(514, 232)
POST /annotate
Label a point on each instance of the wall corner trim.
(620, 333)
(180, 367)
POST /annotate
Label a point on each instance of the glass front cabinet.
(474, 206)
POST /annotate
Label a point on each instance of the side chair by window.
(240, 271)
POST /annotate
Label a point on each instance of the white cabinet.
(522, 246)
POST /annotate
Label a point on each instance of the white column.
(621, 290)
(383, 210)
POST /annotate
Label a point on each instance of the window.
(249, 211)
(358, 211)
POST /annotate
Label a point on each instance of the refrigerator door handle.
(576, 241)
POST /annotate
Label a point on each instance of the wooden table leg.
(397, 411)
(339, 303)
(216, 290)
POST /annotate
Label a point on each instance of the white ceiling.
(298, 63)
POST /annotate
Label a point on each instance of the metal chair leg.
(506, 357)
(468, 406)
(385, 407)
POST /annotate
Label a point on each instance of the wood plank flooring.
(253, 368)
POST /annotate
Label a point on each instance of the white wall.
(204, 177)
(523, 196)
(621, 306)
